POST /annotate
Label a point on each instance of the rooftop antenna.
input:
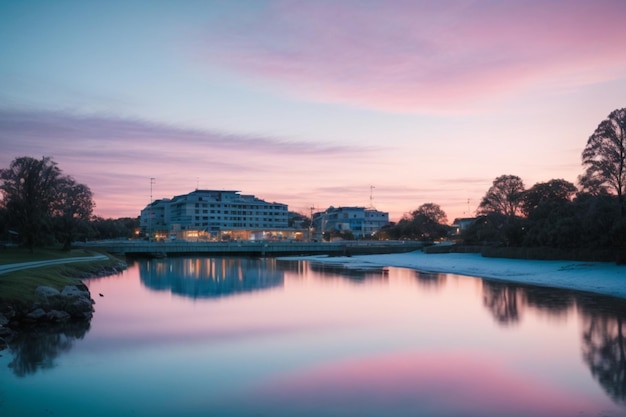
(371, 196)
(152, 180)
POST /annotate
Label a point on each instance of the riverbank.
(598, 277)
(46, 292)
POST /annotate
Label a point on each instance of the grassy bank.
(14, 255)
(19, 286)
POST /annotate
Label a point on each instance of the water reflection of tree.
(36, 349)
(501, 300)
(604, 325)
(351, 273)
(604, 346)
(507, 301)
(555, 302)
(430, 280)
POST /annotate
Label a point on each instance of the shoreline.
(605, 278)
(51, 305)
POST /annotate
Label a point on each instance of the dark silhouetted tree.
(114, 228)
(431, 212)
(547, 193)
(28, 188)
(604, 158)
(427, 222)
(550, 216)
(503, 197)
(72, 206)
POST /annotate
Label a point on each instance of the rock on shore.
(52, 307)
(73, 302)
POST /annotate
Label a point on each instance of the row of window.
(243, 212)
(234, 218)
(241, 206)
(239, 225)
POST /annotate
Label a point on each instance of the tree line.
(556, 213)
(42, 206)
(552, 214)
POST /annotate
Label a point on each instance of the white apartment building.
(361, 221)
(213, 214)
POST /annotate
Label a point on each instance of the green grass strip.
(19, 286)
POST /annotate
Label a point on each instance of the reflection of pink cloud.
(413, 55)
(447, 384)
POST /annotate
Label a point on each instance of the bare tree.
(604, 158)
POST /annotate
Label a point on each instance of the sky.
(390, 104)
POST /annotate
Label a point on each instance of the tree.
(503, 197)
(72, 205)
(604, 158)
(432, 212)
(427, 222)
(35, 194)
(547, 194)
(4, 222)
(114, 228)
(28, 188)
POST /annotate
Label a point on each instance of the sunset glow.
(309, 104)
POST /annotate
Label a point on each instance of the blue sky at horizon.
(308, 103)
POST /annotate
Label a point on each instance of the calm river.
(264, 337)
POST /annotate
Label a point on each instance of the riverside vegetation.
(49, 294)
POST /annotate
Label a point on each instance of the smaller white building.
(360, 221)
(461, 224)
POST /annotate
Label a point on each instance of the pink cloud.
(117, 157)
(433, 56)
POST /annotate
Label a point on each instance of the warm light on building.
(211, 215)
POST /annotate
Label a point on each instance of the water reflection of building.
(210, 277)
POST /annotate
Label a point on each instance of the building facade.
(360, 221)
(211, 214)
(461, 224)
